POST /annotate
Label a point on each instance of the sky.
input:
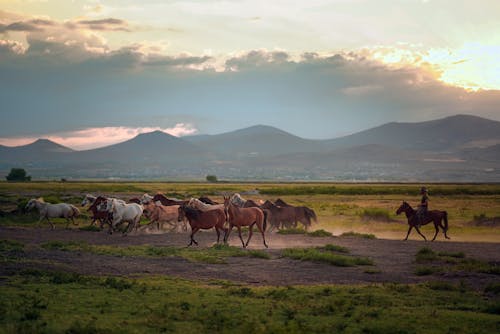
(88, 73)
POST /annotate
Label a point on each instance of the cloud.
(98, 137)
(108, 24)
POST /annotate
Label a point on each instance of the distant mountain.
(255, 141)
(458, 148)
(450, 133)
(41, 149)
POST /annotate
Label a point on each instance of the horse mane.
(190, 211)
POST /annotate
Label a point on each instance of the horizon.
(90, 73)
(29, 141)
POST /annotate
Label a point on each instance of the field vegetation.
(38, 301)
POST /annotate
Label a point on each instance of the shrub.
(320, 233)
(18, 174)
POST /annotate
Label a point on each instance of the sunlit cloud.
(98, 137)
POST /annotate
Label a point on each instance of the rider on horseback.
(424, 204)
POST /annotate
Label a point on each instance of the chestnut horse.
(303, 214)
(101, 215)
(280, 216)
(244, 217)
(203, 220)
(159, 213)
(434, 216)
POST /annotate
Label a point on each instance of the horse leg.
(218, 233)
(418, 230)
(250, 228)
(239, 233)
(261, 229)
(407, 234)
(193, 231)
(226, 236)
(67, 222)
(437, 230)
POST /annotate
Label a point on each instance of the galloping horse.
(207, 200)
(47, 210)
(244, 217)
(280, 216)
(434, 216)
(199, 219)
(156, 212)
(303, 214)
(130, 213)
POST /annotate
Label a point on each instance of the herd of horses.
(199, 213)
(204, 213)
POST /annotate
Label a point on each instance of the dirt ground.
(394, 259)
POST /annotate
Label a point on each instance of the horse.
(166, 201)
(207, 200)
(434, 216)
(244, 217)
(134, 200)
(199, 219)
(100, 214)
(48, 210)
(197, 204)
(122, 212)
(88, 199)
(303, 214)
(156, 212)
(280, 216)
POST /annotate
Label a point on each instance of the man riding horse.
(423, 207)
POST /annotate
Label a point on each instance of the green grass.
(453, 261)
(319, 233)
(292, 231)
(335, 248)
(325, 255)
(10, 245)
(215, 254)
(376, 214)
(426, 270)
(358, 235)
(54, 302)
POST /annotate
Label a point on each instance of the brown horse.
(203, 220)
(434, 216)
(244, 217)
(167, 201)
(159, 213)
(100, 215)
(135, 200)
(303, 214)
(280, 216)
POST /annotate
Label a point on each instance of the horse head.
(403, 208)
(30, 205)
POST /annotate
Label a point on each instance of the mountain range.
(461, 148)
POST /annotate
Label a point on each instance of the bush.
(211, 178)
(18, 174)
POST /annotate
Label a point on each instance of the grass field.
(46, 302)
(59, 301)
(362, 208)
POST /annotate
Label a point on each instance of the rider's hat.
(423, 190)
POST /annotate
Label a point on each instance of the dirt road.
(394, 260)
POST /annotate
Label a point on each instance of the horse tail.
(310, 214)
(264, 226)
(445, 218)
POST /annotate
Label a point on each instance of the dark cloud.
(312, 95)
(175, 61)
(108, 24)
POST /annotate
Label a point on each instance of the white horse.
(146, 198)
(237, 200)
(47, 210)
(88, 199)
(122, 212)
(197, 204)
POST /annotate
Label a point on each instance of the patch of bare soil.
(394, 260)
